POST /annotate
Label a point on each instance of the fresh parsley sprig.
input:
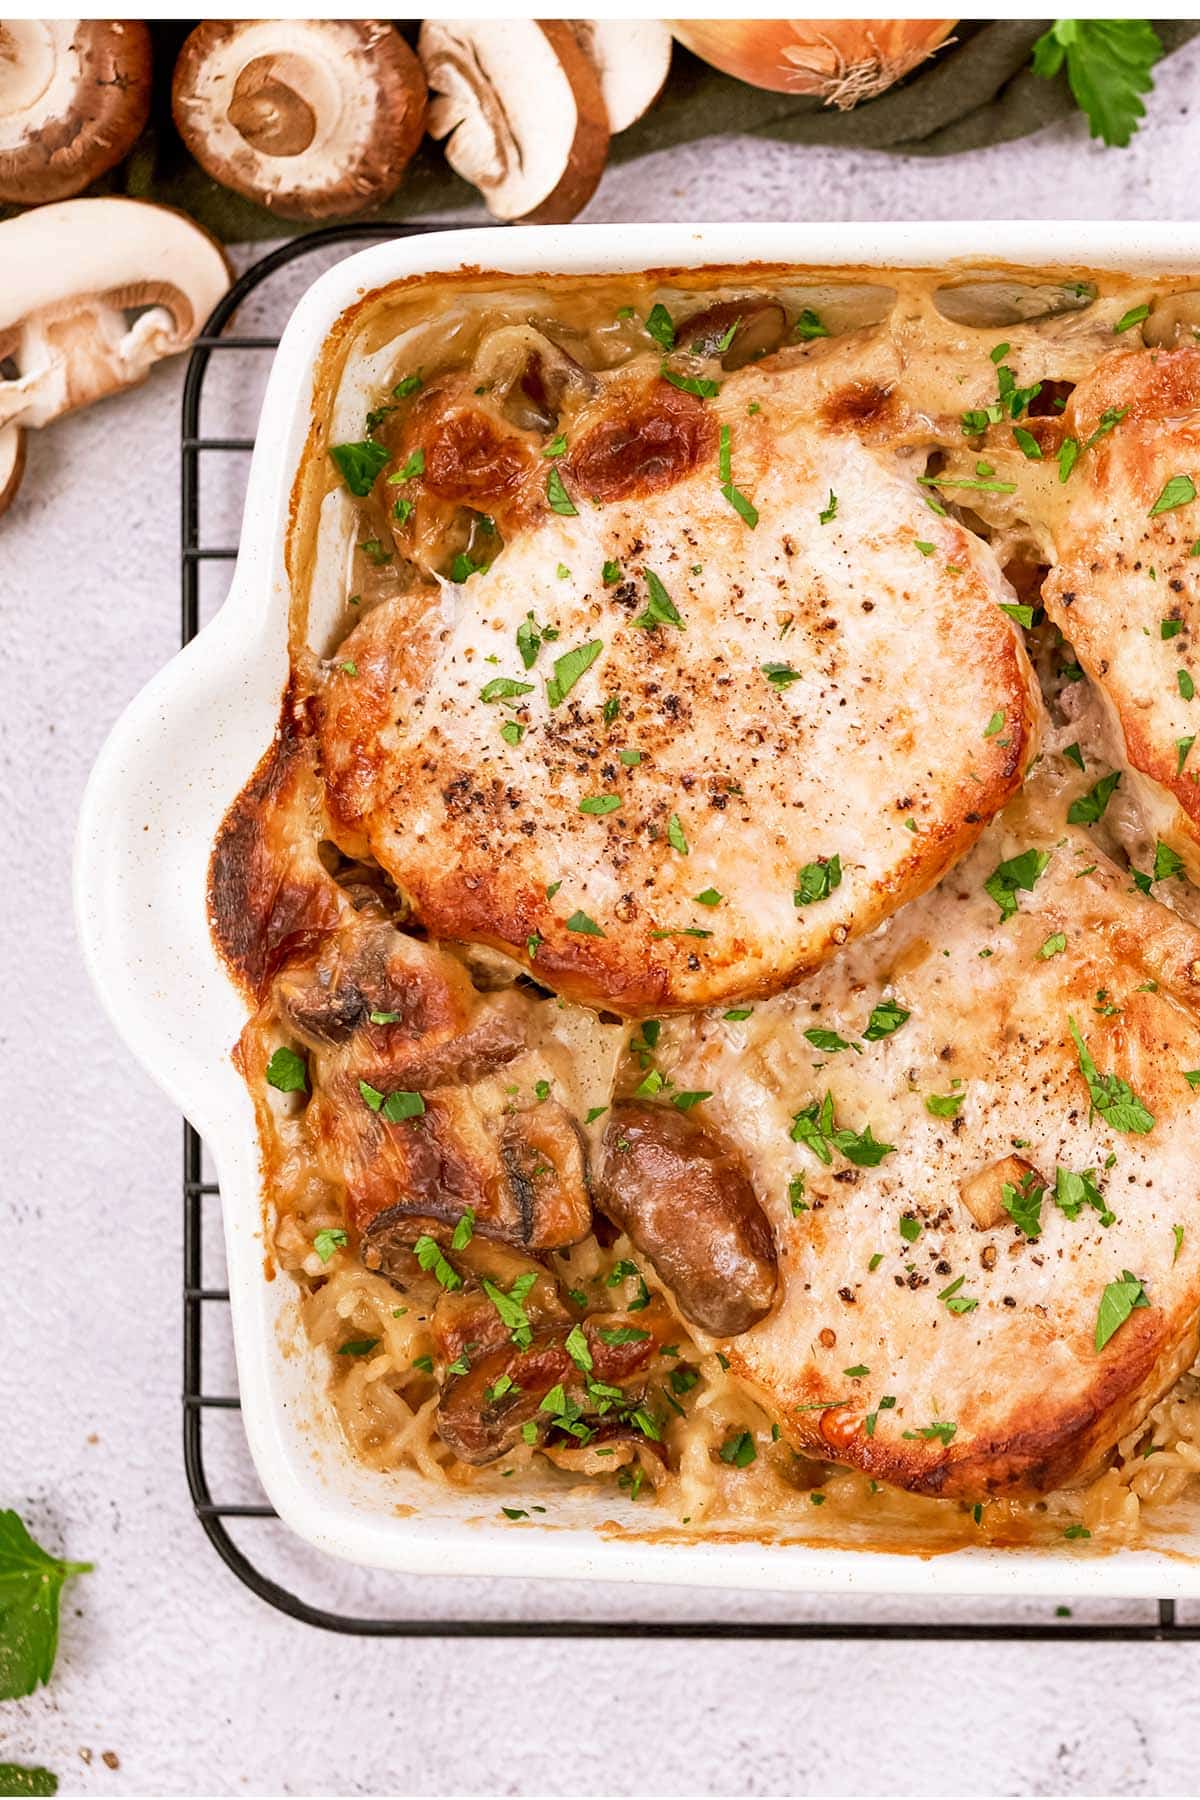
(31, 1583)
(1108, 65)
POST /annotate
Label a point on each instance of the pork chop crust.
(910, 1341)
(1126, 586)
(731, 742)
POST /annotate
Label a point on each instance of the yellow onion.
(840, 61)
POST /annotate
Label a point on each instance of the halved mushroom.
(632, 57)
(520, 106)
(737, 331)
(530, 377)
(992, 302)
(75, 276)
(74, 95)
(12, 464)
(687, 1204)
(1174, 319)
(313, 118)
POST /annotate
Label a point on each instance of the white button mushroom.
(74, 94)
(314, 118)
(74, 276)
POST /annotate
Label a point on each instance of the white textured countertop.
(168, 1662)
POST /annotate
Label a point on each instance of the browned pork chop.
(1126, 588)
(927, 1333)
(681, 745)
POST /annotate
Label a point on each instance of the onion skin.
(840, 61)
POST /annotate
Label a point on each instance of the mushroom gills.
(686, 1204)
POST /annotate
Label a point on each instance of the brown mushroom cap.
(520, 105)
(313, 118)
(74, 95)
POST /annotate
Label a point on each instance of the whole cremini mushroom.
(74, 95)
(520, 105)
(73, 275)
(313, 118)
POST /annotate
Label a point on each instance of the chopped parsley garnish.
(943, 1106)
(464, 1231)
(1092, 806)
(1112, 1098)
(817, 880)
(1023, 1203)
(1167, 862)
(814, 1127)
(821, 1039)
(809, 325)
(699, 385)
(675, 835)
(511, 1307)
(580, 922)
(1074, 754)
(1118, 1300)
(1179, 491)
(1177, 1234)
(569, 667)
(1075, 1190)
(1012, 876)
(994, 724)
(577, 1349)
(709, 897)
(926, 548)
(944, 1429)
(910, 1228)
(414, 466)
(693, 1097)
(428, 1253)
(1183, 747)
(503, 687)
(556, 447)
(1027, 443)
(956, 1302)
(530, 638)
(610, 574)
(1054, 945)
(781, 675)
(511, 732)
(364, 1347)
(287, 1071)
(329, 1239)
(360, 465)
(385, 1018)
(741, 505)
(1021, 615)
(738, 1451)
(600, 804)
(1187, 686)
(737, 1013)
(558, 497)
(1134, 316)
(857, 1372)
(886, 1017)
(829, 510)
(661, 326)
(660, 609)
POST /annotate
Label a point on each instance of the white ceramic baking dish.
(175, 761)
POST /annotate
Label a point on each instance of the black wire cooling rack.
(205, 1307)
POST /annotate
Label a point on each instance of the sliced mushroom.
(481, 1413)
(738, 331)
(994, 302)
(12, 464)
(982, 1193)
(687, 1204)
(529, 377)
(74, 95)
(520, 106)
(313, 118)
(632, 57)
(1174, 319)
(73, 275)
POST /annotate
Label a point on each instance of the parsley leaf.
(287, 1071)
(661, 609)
(814, 1127)
(1009, 877)
(885, 1018)
(568, 668)
(1134, 316)
(943, 1106)
(428, 1253)
(19, 1778)
(558, 497)
(1116, 1303)
(738, 1451)
(661, 326)
(31, 1582)
(1091, 806)
(579, 921)
(503, 687)
(360, 465)
(1108, 64)
(1023, 1203)
(809, 325)
(781, 675)
(1179, 491)
(822, 1039)
(1112, 1098)
(829, 511)
(511, 1307)
(675, 835)
(817, 880)
(329, 1239)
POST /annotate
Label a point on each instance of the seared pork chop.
(988, 1270)
(720, 705)
(1126, 588)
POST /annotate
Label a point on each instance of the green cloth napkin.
(978, 90)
